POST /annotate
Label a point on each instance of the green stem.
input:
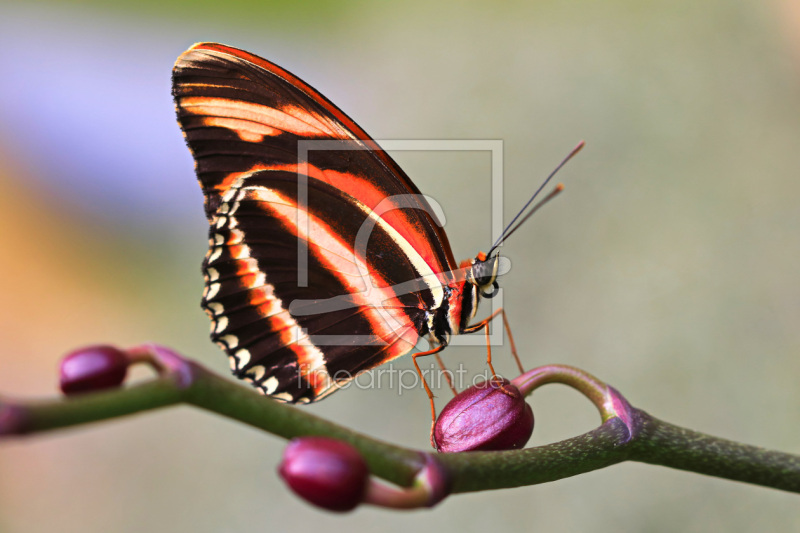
(630, 435)
(209, 391)
(473, 471)
(212, 393)
(664, 444)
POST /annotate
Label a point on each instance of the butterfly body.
(324, 259)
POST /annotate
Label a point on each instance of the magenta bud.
(491, 415)
(326, 472)
(93, 368)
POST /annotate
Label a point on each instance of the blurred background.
(668, 268)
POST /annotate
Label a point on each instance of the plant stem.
(633, 436)
(661, 443)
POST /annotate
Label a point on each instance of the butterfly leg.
(484, 324)
(432, 351)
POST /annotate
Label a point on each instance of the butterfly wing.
(324, 259)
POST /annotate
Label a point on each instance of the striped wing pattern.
(300, 295)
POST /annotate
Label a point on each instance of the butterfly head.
(483, 273)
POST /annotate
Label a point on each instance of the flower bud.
(326, 472)
(93, 368)
(491, 415)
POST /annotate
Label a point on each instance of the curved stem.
(608, 401)
(626, 433)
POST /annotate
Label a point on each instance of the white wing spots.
(270, 385)
(231, 341)
(215, 254)
(257, 372)
(228, 247)
(222, 324)
(235, 246)
(243, 356)
(282, 397)
(234, 364)
(212, 291)
(304, 400)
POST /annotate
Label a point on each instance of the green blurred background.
(668, 268)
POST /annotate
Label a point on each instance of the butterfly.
(324, 258)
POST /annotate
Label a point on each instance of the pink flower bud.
(93, 368)
(326, 472)
(491, 415)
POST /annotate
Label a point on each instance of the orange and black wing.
(324, 259)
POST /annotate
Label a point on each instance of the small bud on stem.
(93, 368)
(491, 415)
(326, 472)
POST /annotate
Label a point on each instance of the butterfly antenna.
(509, 230)
(556, 190)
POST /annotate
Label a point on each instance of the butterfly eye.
(490, 295)
(484, 272)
